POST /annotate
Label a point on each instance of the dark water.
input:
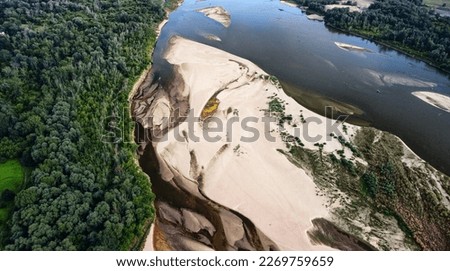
(302, 54)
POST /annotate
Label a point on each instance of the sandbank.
(435, 99)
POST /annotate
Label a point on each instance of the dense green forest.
(406, 25)
(66, 68)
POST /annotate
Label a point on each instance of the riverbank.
(409, 52)
(233, 171)
(280, 185)
(362, 5)
(225, 189)
(248, 177)
(144, 244)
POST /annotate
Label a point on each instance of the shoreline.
(289, 3)
(149, 229)
(148, 244)
(350, 47)
(261, 175)
(219, 162)
(390, 46)
(263, 182)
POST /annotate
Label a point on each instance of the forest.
(66, 69)
(406, 25)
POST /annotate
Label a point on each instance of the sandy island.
(350, 47)
(315, 17)
(253, 178)
(390, 79)
(288, 3)
(435, 99)
(218, 14)
(359, 7)
(211, 37)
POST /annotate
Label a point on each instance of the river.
(377, 83)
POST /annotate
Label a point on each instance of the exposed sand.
(149, 241)
(148, 246)
(288, 3)
(252, 178)
(351, 8)
(350, 47)
(435, 99)
(389, 79)
(211, 37)
(360, 5)
(315, 17)
(160, 26)
(218, 14)
(143, 75)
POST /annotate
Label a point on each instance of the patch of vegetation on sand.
(384, 195)
(409, 193)
(210, 108)
(373, 193)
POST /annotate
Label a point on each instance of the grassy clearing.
(11, 178)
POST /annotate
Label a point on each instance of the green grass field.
(11, 177)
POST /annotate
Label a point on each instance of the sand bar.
(253, 178)
(288, 3)
(315, 17)
(218, 14)
(350, 47)
(435, 99)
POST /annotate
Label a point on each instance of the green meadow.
(11, 178)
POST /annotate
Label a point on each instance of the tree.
(65, 66)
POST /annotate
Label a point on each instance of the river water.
(303, 55)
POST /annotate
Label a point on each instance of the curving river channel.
(377, 83)
(318, 67)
